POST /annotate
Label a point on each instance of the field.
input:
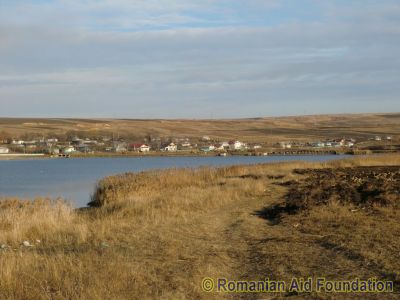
(157, 234)
(359, 126)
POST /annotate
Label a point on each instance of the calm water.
(74, 179)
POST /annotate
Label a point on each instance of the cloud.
(121, 15)
(178, 59)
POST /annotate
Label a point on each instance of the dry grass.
(156, 234)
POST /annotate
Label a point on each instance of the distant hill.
(251, 129)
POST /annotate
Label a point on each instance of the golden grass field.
(157, 234)
(269, 129)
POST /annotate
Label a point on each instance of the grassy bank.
(158, 233)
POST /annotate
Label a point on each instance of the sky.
(198, 59)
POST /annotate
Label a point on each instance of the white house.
(53, 150)
(236, 145)
(225, 144)
(88, 141)
(318, 144)
(4, 150)
(144, 148)
(219, 147)
(171, 147)
(119, 147)
(285, 145)
(68, 150)
(186, 144)
(52, 140)
(140, 147)
(207, 148)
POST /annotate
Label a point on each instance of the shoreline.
(17, 156)
(88, 156)
(13, 156)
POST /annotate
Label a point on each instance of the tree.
(5, 137)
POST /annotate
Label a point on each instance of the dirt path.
(260, 249)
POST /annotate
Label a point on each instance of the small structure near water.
(4, 150)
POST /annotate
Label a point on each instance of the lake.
(74, 179)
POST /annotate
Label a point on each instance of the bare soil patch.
(361, 187)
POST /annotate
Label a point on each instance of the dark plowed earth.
(363, 187)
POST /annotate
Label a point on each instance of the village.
(81, 145)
